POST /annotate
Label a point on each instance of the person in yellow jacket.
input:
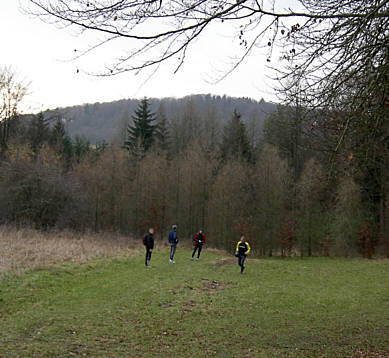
(241, 251)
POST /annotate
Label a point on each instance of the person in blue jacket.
(173, 241)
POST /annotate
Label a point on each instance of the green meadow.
(311, 307)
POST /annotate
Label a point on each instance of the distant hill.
(102, 121)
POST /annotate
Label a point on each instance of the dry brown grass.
(26, 248)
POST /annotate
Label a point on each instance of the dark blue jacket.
(173, 239)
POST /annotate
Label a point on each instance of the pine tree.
(235, 140)
(38, 131)
(81, 146)
(61, 141)
(58, 133)
(140, 134)
(161, 129)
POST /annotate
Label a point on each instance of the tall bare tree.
(311, 223)
(12, 92)
(347, 216)
(271, 182)
(159, 30)
(230, 204)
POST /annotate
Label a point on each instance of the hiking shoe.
(172, 261)
(147, 266)
(197, 258)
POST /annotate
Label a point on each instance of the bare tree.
(271, 183)
(347, 216)
(12, 92)
(166, 28)
(310, 197)
(333, 54)
(230, 200)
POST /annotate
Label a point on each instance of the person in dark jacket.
(198, 241)
(241, 251)
(173, 241)
(148, 241)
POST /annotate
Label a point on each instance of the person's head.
(200, 231)
(174, 227)
(151, 231)
(242, 238)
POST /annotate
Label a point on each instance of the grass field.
(116, 308)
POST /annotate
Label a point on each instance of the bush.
(37, 191)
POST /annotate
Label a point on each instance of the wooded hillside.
(103, 121)
(270, 176)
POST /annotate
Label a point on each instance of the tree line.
(107, 121)
(285, 191)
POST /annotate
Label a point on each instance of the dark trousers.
(148, 255)
(241, 259)
(172, 250)
(197, 247)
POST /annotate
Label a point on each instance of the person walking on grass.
(148, 241)
(241, 251)
(173, 241)
(198, 241)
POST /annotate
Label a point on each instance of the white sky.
(40, 54)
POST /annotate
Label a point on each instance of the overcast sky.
(41, 55)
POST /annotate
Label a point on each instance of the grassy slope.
(117, 308)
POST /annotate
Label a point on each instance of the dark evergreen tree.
(38, 132)
(235, 142)
(61, 142)
(140, 134)
(161, 129)
(81, 147)
(58, 133)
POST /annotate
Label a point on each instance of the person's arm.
(248, 248)
(237, 247)
(203, 241)
(147, 241)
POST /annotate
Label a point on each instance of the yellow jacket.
(243, 248)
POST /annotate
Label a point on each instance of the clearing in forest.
(114, 307)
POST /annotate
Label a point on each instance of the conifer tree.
(161, 128)
(58, 133)
(61, 141)
(81, 146)
(235, 140)
(140, 134)
(38, 132)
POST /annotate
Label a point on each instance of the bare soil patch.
(223, 261)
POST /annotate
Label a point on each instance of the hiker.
(241, 251)
(148, 241)
(173, 241)
(198, 241)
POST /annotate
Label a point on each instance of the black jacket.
(149, 241)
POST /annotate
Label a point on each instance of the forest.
(305, 180)
(309, 176)
(277, 180)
